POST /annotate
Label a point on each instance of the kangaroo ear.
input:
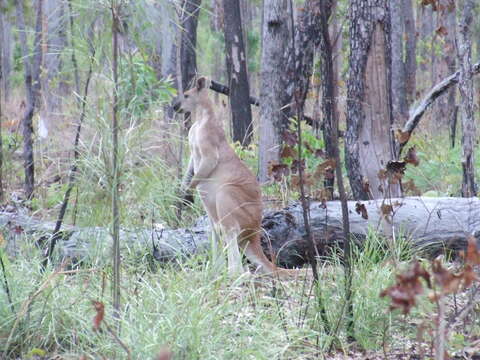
(201, 83)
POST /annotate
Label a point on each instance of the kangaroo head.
(193, 97)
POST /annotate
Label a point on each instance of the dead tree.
(369, 143)
(430, 225)
(466, 90)
(273, 120)
(32, 88)
(418, 112)
(237, 73)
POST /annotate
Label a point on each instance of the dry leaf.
(362, 210)
(411, 157)
(100, 309)
(402, 137)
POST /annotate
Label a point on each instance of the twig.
(118, 340)
(7, 288)
(312, 249)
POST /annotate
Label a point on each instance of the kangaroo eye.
(186, 96)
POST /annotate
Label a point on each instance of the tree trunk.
(6, 38)
(188, 55)
(300, 66)
(237, 73)
(32, 87)
(330, 120)
(466, 91)
(399, 93)
(50, 122)
(430, 225)
(368, 141)
(410, 52)
(273, 121)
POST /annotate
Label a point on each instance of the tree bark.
(237, 73)
(300, 63)
(464, 42)
(410, 52)
(431, 225)
(399, 90)
(6, 38)
(273, 120)
(369, 143)
(32, 87)
(188, 55)
(330, 120)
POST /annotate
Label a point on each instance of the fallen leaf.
(288, 152)
(402, 137)
(278, 171)
(411, 157)
(362, 210)
(100, 309)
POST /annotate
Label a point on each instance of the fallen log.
(432, 225)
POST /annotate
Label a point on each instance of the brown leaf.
(366, 185)
(402, 137)
(288, 151)
(278, 171)
(473, 255)
(408, 285)
(449, 282)
(386, 209)
(289, 138)
(361, 209)
(100, 309)
(320, 170)
(442, 31)
(410, 187)
(322, 195)
(395, 171)
(319, 153)
(411, 157)
(307, 180)
(307, 146)
(430, 2)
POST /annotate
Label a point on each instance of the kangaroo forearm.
(203, 172)
(188, 175)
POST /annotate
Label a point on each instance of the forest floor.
(195, 310)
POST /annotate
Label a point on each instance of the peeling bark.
(368, 140)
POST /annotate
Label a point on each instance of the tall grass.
(191, 307)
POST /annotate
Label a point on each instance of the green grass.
(192, 308)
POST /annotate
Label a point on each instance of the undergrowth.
(191, 308)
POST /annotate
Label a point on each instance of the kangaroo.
(229, 191)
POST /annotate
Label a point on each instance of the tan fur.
(229, 191)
